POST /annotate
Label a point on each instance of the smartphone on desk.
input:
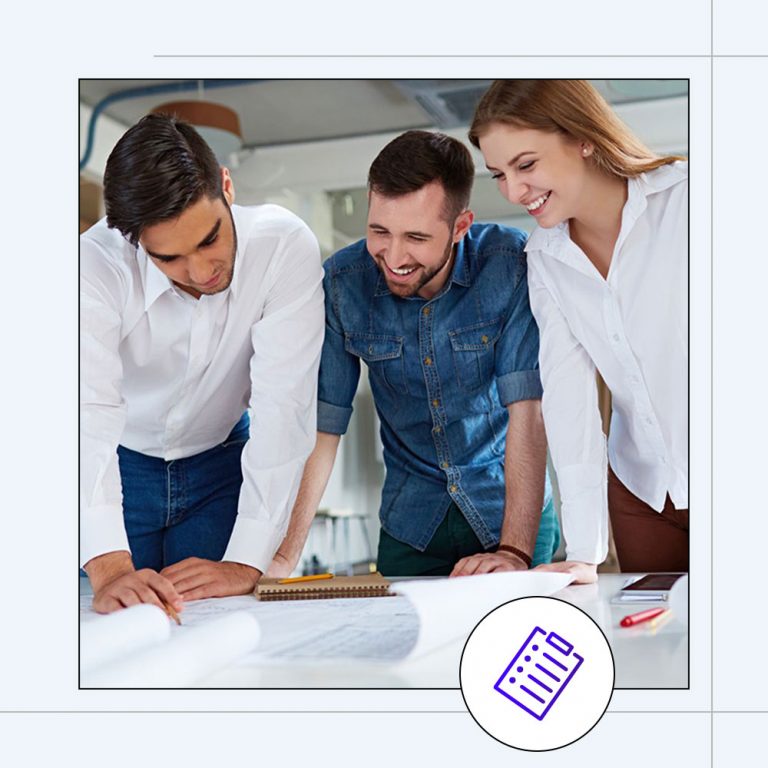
(652, 587)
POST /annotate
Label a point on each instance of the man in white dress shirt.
(194, 312)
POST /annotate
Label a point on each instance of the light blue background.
(38, 677)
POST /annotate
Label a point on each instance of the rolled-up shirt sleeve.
(102, 410)
(339, 369)
(574, 429)
(286, 341)
(517, 349)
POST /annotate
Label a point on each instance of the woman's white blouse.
(633, 328)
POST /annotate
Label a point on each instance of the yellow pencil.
(313, 577)
(171, 613)
(660, 620)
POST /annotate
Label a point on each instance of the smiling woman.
(608, 285)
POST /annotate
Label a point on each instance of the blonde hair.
(570, 107)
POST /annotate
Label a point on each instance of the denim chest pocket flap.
(383, 354)
(477, 337)
(473, 352)
(372, 347)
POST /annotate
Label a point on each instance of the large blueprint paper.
(424, 615)
(365, 629)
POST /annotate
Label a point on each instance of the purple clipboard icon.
(539, 672)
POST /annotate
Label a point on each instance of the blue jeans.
(185, 507)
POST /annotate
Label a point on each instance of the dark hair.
(573, 108)
(417, 158)
(159, 167)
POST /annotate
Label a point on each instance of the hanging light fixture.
(218, 125)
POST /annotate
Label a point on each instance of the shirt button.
(615, 336)
(444, 464)
(425, 311)
(649, 420)
(484, 339)
(370, 350)
(435, 403)
(454, 488)
(427, 361)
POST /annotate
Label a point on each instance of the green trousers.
(454, 539)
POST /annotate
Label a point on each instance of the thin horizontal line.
(442, 56)
(344, 712)
(233, 712)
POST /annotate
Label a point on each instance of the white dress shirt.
(169, 375)
(633, 328)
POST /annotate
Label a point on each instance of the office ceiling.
(286, 114)
(274, 112)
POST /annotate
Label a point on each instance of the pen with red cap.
(641, 616)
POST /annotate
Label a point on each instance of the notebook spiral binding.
(310, 595)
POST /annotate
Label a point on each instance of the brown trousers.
(646, 540)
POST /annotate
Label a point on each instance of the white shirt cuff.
(101, 530)
(253, 542)
(584, 496)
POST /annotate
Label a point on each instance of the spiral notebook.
(367, 585)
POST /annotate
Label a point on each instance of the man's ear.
(227, 186)
(462, 224)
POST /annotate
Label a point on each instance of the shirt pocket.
(473, 353)
(383, 355)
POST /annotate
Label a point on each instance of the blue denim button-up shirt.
(442, 371)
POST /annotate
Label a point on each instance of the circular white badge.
(537, 673)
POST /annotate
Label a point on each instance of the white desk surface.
(644, 657)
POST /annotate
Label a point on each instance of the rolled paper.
(450, 608)
(190, 655)
(107, 638)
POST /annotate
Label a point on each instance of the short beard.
(226, 283)
(407, 291)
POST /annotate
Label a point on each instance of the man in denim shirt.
(438, 309)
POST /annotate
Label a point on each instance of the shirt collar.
(639, 188)
(548, 240)
(459, 272)
(155, 282)
(236, 221)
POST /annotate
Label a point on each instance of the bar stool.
(337, 526)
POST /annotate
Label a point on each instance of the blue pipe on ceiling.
(183, 86)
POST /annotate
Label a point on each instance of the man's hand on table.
(117, 584)
(583, 573)
(195, 578)
(488, 562)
